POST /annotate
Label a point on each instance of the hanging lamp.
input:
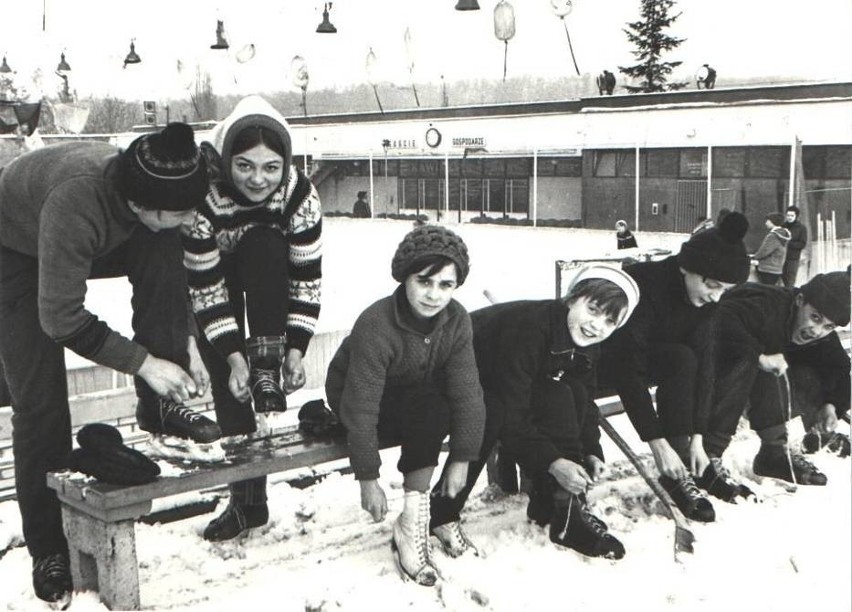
(221, 40)
(504, 27)
(467, 5)
(4, 67)
(561, 8)
(326, 27)
(132, 56)
(63, 66)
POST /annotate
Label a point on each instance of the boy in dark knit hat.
(666, 342)
(69, 213)
(407, 374)
(767, 334)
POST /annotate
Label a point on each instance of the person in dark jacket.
(798, 242)
(537, 364)
(361, 208)
(766, 334)
(667, 343)
(407, 374)
(69, 213)
(624, 237)
(770, 256)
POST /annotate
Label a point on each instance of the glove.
(103, 455)
(315, 419)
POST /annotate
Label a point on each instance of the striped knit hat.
(425, 241)
(164, 170)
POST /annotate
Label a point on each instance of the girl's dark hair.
(432, 263)
(606, 294)
(255, 135)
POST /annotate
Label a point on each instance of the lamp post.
(300, 77)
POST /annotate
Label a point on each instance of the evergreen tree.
(651, 41)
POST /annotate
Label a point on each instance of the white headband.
(614, 275)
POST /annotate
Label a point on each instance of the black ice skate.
(835, 442)
(716, 480)
(265, 354)
(52, 579)
(169, 418)
(692, 502)
(574, 526)
(774, 462)
(235, 520)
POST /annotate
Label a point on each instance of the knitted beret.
(164, 170)
(425, 241)
(718, 252)
(829, 294)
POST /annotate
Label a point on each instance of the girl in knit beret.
(254, 251)
(407, 375)
(537, 366)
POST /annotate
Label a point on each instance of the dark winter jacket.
(61, 205)
(518, 344)
(664, 315)
(756, 320)
(798, 240)
(383, 350)
(773, 251)
(626, 240)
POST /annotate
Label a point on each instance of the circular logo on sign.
(433, 137)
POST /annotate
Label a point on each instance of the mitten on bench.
(103, 455)
(316, 419)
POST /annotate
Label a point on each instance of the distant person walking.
(361, 208)
(798, 241)
(705, 76)
(625, 238)
(772, 252)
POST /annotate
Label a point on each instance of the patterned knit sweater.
(294, 210)
(384, 351)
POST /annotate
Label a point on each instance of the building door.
(691, 205)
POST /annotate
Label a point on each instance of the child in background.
(625, 238)
(537, 365)
(407, 375)
(772, 253)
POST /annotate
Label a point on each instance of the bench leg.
(103, 558)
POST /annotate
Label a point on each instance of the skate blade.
(172, 447)
(63, 603)
(424, 578)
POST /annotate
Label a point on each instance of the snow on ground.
(320, 551)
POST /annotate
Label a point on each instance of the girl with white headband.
(537, 366)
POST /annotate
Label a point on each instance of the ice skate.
(235, 520)
(170, 418)
(454, 540)
(265, 354)
(691, 501)
(174, 448)
(410, 542)
(716, 480)
(574, 526)
(775, 462)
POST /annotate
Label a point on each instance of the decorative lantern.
(504, 27)
(409, 54)
(325, 26)
(4, 67)
(132, 57)
(300, 77)
(221, 39)
(370, 65)
(467, 5)
(561, 8)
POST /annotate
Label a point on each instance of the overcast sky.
(742, 38)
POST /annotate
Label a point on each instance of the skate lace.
(171, 408)
(590, 519)
(52, 566)
(457, 538)
(721, 471)
(690, 489)
(800, 462)
(265, 381)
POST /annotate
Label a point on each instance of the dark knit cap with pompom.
(829, 294)
(164, 170)
(718, 252)
(425, 241)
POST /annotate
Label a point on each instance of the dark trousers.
(741, 381)
(791, 270)
(257, 280)
(558, 409)
(35, 365)
(768, 278)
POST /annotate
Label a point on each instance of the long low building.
(663, 162)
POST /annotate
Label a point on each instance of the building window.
(729, 162)
(827, 162)
(693, 163)
(661, 163)
(768, 162)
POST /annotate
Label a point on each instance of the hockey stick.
(684, 538)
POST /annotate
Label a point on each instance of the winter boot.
(835, 442)
(235, 520)
(716, 480)
(265, 354)
(454, 540)
(574, 526)
(774, 461)
(173, 419)
(52, 578)
(411, 545)
(689, 499)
